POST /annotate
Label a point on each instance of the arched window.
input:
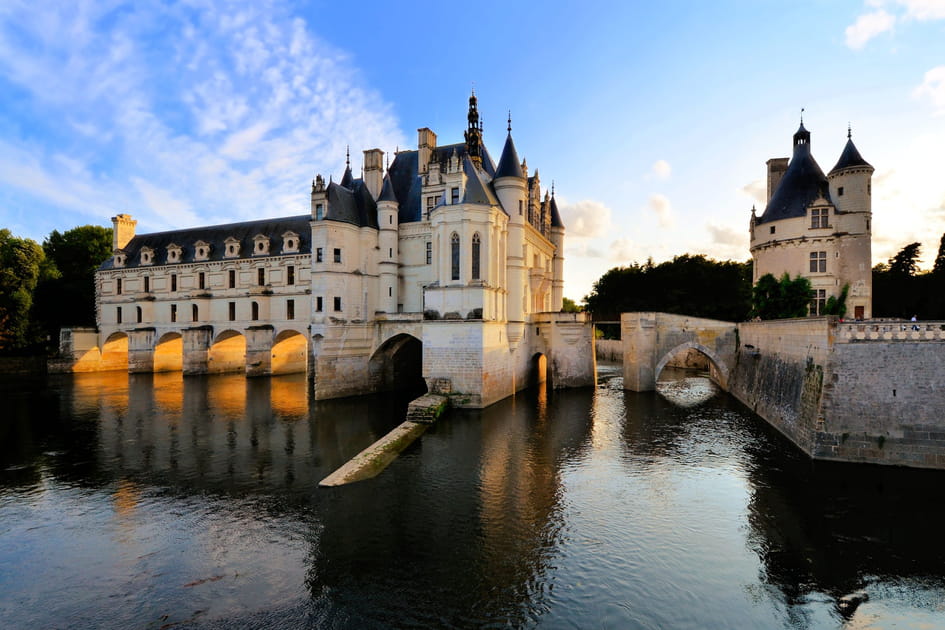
(454, 256)
(194, 313)
(475, 256)
(255, 311)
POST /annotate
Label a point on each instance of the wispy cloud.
(226, 120)
(868, 26)
(933, 88)
(878, 20)
(663, 208)
(586, 218)
(661, 169)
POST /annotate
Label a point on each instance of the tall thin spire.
(348, 155)
(802, 116)
(473, 133)
(509, 128)
(849, 131)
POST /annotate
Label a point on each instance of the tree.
(939, 267)
(21, 263)
(779, 299)
(905, 263)
(68, 298)
(837, 306)
(898, 289)
(569, 306)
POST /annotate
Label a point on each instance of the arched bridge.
(650, 340)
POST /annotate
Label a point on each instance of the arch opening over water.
(115, 352)
(289, 354)
(397, 365)
(227, 353)
(169, 353)
(538, 370)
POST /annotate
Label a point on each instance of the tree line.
(45, 287)
(901, 289)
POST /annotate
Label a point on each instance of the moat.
(155, 501)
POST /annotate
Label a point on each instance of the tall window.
(454, 256)
(429, 258)
(118, 286)
(255, 311)
(337, 255)
(454, 195)
(201, 280)
(173, 312)
(820, 300)
(818, 218)
(318, 304)
(290, 274)
(318, 254)
(337, 303)
(290, 309)
(319, 212)
(194, 313)
(138, 315)
(232, 278)
(261, 276)
(173, 282)
(475, 256)
(147, 284)
(818, 262)
(118, 315)
(231, 307)
(431, 202)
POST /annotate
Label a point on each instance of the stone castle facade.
(447, 267)
(818, 226)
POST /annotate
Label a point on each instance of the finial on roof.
(510, 121)
(849, 131)
(552, 188)
(348, 155)
(802, 115)
(473, 88)
(387, 156)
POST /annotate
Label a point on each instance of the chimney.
(776, 168)
(426, 144)
(123, 230)
(374, 171)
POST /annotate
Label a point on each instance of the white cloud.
(622, 251)
(924, 9)
(661, 169)
(586, 218)
(757, 191)
(663, 209)
(234, 116)
(868, 26)
(933, 87)
(728, 236)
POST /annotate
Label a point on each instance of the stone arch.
(115, 352)
(227, 353)
(720, 370)
(169, 353)
(289, 354)
(538, 369)
(397, 365)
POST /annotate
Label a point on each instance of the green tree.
(906, 262)
(21, 263)
(779, 299)
(67, 298)
(569, 306)
(899, 290)
(837, 306)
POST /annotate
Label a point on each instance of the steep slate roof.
(509, 164)
(849, 158)
(407, 184)
(477, 189)
(387, 190)
(215, 235)
(353, 205)
(555, 216)
(802, 183)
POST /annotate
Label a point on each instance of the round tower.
(511, 187)
(387, 208)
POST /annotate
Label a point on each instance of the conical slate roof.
(509, 164)
(802, 183)
(555, 216)
(348, 178)
(849, 158)
(387, 190)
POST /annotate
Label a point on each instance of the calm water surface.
(162, 502)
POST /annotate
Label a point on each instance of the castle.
(445, 271)
(818, 226)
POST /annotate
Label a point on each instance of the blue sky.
(653, 119)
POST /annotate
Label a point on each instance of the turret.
(387, 208)
(509, 182)
(473, 134)
(557, 238)
(850, 180)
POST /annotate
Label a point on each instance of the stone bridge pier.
(650, 340)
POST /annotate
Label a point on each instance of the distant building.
(448, 266)
(818, 226)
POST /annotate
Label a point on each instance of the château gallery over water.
(169, 464)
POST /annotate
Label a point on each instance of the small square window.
(840, 191)
(772, 229)
(337, 255)
(337, 303)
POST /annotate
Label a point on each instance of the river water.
(154, 501)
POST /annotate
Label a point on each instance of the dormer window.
(231, 247)
(290, 242)
(120, 259)
(819, 218)
(260, 245)
(173, 253)
(201, 250)
(147, 256)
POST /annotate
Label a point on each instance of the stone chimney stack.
(123, 230)
(426, 144)
(374, 171)
(776, 169)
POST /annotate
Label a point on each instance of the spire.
(387, 191)
(510, 122)
(802, 136)
(555, 215)
(509, 164)
(473, 133)
(347, 180)
(850, 158)
(849, 132)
